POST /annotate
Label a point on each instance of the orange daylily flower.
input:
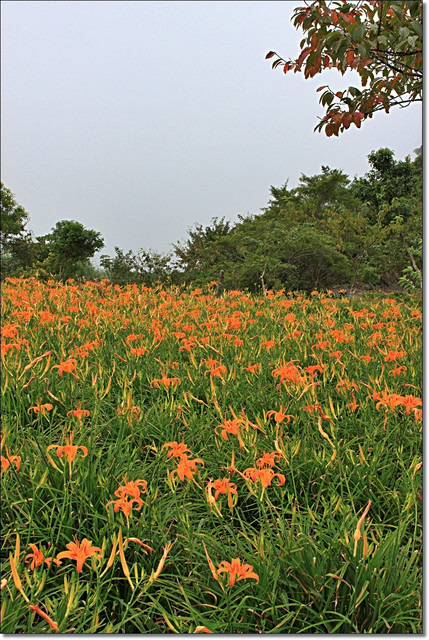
(187, 344)
(42, 408)
(139, 351)
(388, 400)
(10, 330)
(289, 372)
(268, 459)
(165, 382)
(232, 427)
(223, 486)
(252, 368)
(79, 413)
(336, 354)
(7, 347)
(79, 551)
(290, 317)
(69, 449)
(8, 460)
(314, 368)
(268, 344)
(211, 363)
(398, 371)
(126, 505)
(322, 345)
(37, 558)
(131, 488)
(279, 415)
(353, 405)
(68, 366)
(265, 475)
(295, 334)
(133, 336)
(187, 467)
(237, 571)
(394, 355)
(217, 372)
(411, 402)
(177, 449)
(339, 336)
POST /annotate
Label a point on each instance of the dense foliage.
(329, 231)
(382, 41)
(173, 462)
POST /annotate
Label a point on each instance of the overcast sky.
(139, 119)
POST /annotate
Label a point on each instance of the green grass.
(298, 535)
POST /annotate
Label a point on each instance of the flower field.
(174, 462)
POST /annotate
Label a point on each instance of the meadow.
(177, 462)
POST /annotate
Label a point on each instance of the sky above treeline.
(139, 119)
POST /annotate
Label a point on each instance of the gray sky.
(139, 119)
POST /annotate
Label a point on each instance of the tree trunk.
(413, 262)
(261, 277)
(220, 285)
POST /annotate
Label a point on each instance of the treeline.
(328, 231)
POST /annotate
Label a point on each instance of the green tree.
(326, 191)
(68, 248)
(197, 253)
(18, 248)
(123, 268)
(381, 40)
(387, 188)
(391, 193)
(145, 267)
(13, 216)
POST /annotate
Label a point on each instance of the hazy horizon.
(139, 119)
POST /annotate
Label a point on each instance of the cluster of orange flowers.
(393, 400)
(78, 551)
(186, 467)
(128, 496)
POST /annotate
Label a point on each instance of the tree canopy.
(380, 40)
(68, 245)
(328, 231)
(13, 216)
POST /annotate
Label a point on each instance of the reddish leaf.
(356, 118)
(320, 88)
(270, 54)
(303, 56)
(303, 16)
(348, 18)
(350, 57)
(346, 120)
